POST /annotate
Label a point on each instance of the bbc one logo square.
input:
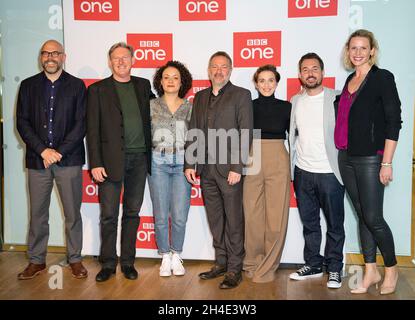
(311, 8)
(197, 85)
(146, 237)
(90, 81)
(196, 197)
(253, 49)
(151, 50)
(97, 10)
(294, 85)
(202, 10)
(89, 188)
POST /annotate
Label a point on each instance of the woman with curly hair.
(169, 189)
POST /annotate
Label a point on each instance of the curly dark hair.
(185, 76)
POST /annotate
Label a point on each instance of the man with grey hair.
(50, 119)
(119, 149)
(223, 108)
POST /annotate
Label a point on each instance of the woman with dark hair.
(169, 189)
(367, 130)
(266, 193)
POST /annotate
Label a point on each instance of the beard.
(314, 85)
(219, 80)
(51, 68)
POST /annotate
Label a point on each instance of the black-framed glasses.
(47, 54)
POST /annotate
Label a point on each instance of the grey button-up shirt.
(168, 130)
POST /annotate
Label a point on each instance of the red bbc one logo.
(88, 82)
(202, 10)
(311, 8)
(196, 198)
(294, 85)
(293, 200)
(197, 85)
(89, 187)
(151, 50)
(100, 10)
(253, 49)
(146, 238)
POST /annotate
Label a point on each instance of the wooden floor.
(150, 286)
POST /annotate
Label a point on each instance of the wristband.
(386, 164)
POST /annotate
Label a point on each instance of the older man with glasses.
(51, 121)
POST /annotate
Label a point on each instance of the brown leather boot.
(78, 270)
(31, 271)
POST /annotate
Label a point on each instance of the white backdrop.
(252, 32)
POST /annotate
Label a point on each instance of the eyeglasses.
(47, 54)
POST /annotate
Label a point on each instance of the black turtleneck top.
(272, 116)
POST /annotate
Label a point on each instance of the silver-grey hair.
(121, 45)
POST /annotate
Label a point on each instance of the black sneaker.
(306, 272)
(334, 281)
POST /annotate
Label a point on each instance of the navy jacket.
(69, 125)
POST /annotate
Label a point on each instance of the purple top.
(342, 121)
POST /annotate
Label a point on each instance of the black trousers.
(361, 179)
(135, 173)
(223, 204)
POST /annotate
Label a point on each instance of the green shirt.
(133, 125)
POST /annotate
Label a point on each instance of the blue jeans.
(315, 191)
(170, 195)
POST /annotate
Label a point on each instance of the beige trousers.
(266, 199)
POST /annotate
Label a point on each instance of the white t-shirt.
(311, 151)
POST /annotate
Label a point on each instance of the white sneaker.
(177, 265)
(165, 268)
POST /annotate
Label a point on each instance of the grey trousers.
(69, 183)
(225, 216)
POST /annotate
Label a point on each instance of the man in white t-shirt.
(314, 168)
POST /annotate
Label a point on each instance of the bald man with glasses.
(50, 119)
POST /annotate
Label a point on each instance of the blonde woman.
(367, 130)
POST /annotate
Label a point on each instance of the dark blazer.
(235, 112)
(375, 114)
(105, 128)
(68, 120)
